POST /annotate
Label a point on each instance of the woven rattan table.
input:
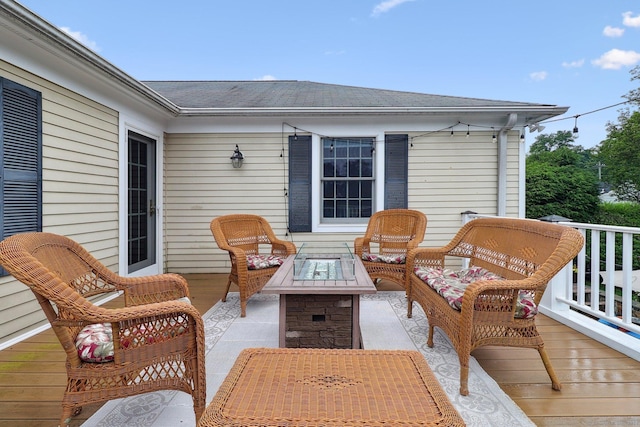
(330, 387)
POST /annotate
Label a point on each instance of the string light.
(575, 128)
(493, 138)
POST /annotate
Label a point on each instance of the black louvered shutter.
(396, 171)
(20, 159)
(300, 184)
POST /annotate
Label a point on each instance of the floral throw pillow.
(257, 262)
(389, 259)
(95, 342)
(451, 286)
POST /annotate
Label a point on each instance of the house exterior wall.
(447, 176)
(79, 188)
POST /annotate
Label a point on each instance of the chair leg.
(224, 298)
(464, 379)
(409, 309)
(430, 337)
(555, 383)
(68, 412)
(243, 308)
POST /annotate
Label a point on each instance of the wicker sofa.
(493, 301)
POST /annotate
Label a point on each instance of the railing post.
(560, 287)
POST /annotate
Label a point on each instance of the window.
(347, 179)
(20, 159)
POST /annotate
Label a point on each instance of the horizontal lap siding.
(200, 184)
(445, 179)
(79, 188)
(448, 176)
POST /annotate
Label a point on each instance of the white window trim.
(316, 154)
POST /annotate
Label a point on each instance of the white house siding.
(450, 176)
(447, 176)
(200, 184)
(80, 186)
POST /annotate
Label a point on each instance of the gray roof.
(304, 94)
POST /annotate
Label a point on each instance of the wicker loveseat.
(155, 342)
(494, 301)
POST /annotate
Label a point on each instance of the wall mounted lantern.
(237, 158)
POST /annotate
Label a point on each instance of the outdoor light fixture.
(494, 139)
(535, 127)
(237, 158)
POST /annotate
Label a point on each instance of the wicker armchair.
(157, 342)
(519, 257)
(248, 238)
(390, 235)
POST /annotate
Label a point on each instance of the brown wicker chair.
(158, 342)
(243, 235)
(390, 235)
(526, 254)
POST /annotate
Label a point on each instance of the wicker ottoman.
(330, 387)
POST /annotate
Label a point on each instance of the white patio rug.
(384, 325)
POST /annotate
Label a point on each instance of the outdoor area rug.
(384, 325)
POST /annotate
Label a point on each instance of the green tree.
(620, 152)
(561, 179)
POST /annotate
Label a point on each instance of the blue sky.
(574, 53)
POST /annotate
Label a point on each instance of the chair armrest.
(282, 248)
(156, 288)
(497, 296)
(361, 245)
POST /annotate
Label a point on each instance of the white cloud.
(386, 6)
(573, 64)
(82, 38)
(538, 75)
(629, 20)
(610, 31)
(616, 59)
(266, 77)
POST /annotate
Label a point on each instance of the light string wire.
(469, 125)
(583, 114)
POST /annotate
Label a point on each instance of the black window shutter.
(20, 159)
(396, 171)
(300, 183)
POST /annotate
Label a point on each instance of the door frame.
(123, 258)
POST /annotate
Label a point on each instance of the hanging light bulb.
(494, 139)
(575, 129)
(467, 131)
(522, 135)
(295, 134)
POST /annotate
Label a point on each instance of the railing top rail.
(602, 227)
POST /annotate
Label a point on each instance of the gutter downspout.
(502, 164)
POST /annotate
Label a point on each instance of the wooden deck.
(601, 387)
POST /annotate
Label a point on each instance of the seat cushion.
(95, 342)
(257, 262)
(388, 259)
(451, 286)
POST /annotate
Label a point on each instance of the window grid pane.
(347, 187)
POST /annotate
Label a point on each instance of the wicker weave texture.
(391, 232)
(527, 253)
(158, 341)
(321, 387)
(242, 235)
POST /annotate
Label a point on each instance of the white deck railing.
(604, 312)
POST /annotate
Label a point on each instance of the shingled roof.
(306, 94)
